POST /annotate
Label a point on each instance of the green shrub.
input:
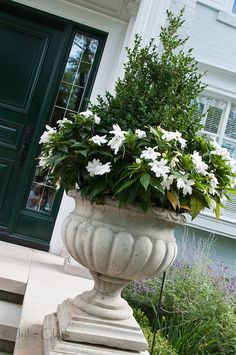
(162, 346)
(200, 317)
(158, 88)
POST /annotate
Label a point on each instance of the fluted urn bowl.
(118, 245)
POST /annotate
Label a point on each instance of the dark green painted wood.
(34, 51)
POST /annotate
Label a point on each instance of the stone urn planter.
(117, 246)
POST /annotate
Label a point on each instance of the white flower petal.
(160, 168)
(97, 119)
(141, 134)
(99, 140)
(86, 114)
(150, 153)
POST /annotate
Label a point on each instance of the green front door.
(47, 68)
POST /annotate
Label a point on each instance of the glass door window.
(69, 100)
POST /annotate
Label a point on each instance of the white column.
(151, 16)
(145, 21)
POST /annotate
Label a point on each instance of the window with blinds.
(219, 122)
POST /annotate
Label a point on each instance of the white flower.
(141, 134)
(213, 180)
(200, 166)
(232, 164)
(45, 137)
(99, 140)
(103, 169)
(117, 131)
(97, 119)
(182, 142)
(169, 136)
(160, 168)
(223, 200)
(218, 150)
(92, 166)
(43, 162)
(167, 182)
(97, 168)
(174, 161)
(138, 161)
(119, 136)
(212, 191)
(185, 184)
(62, 122)
(86, 114)
(115, 143)
(224, 153)
(58, 184)
(77, 186)
(150, 153)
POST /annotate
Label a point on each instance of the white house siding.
(213, 41)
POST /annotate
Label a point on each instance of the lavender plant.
(200, 304)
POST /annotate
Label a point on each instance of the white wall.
(213, 41)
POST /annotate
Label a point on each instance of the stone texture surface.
(54, 345)
(117, 246)
(78, 326)
(14, 274)
(10, 314)
(47, 287)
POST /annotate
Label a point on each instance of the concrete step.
(15, 264)
(10, 314)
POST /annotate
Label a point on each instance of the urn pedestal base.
(72, 331)
(117, 245)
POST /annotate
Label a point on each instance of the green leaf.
(126, 185)
(59, 159)
(83, 152)
(63, 149)
(97, 189)
(232, 191)
(217, 212)
(145, 181)
(197, 206)
(155, 183)
(79, 145)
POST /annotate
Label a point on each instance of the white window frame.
(230, 7)
(223, 5)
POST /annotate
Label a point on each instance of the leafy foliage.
(141, 145)
(157, 88)
(162, 346)
(160, 169)
(199, 307)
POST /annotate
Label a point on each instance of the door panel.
(34, 50)
(6, 167)
(28, 53)
(23, 55)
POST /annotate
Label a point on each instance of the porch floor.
(46, 286)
